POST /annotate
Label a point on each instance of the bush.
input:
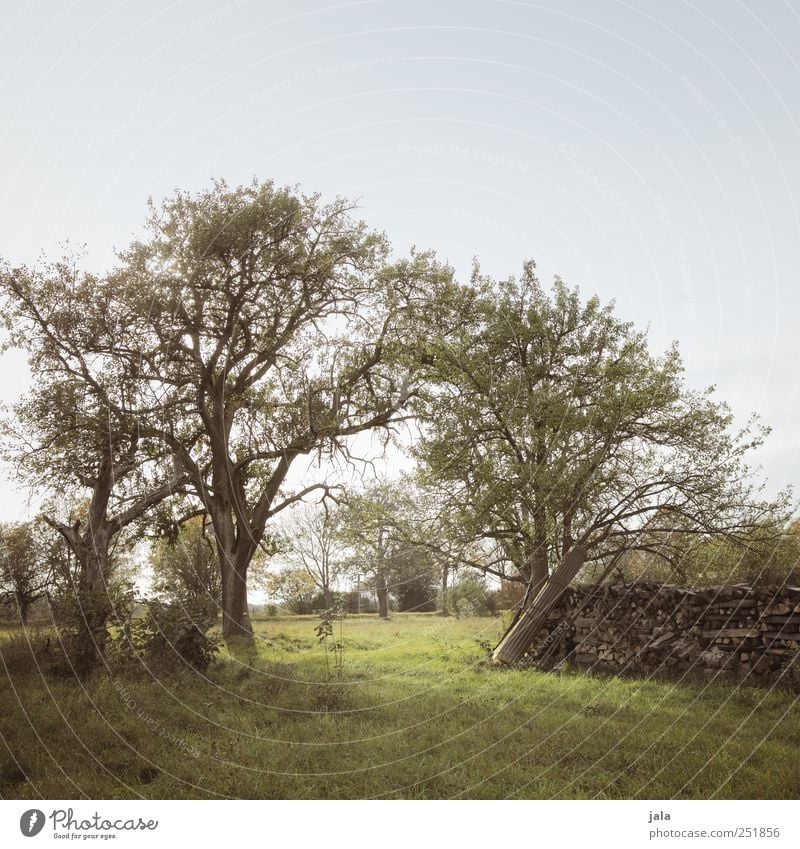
(167, 635)
(470, 596)
(33, 652)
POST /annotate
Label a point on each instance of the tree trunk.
(445, 575)
(23, 605)
(234, 552)
(540, 570)
(94, 605)
(328, 597)
(536, 567)
(235, 616)
(383, 596)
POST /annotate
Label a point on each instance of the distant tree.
(509, 595)
(416, 573)
(294, 587)
(27, 567)
(311, 541)
(550, 424)
(382, 529)
(759, 557)
(470, 595)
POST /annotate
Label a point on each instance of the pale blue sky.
(645, 151)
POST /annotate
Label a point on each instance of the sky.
(644, 151)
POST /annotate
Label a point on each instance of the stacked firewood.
(644, 628)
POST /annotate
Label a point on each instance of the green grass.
(416, 713)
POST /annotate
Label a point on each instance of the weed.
(325, 635)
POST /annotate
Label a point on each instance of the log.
(731, 632)
(734, 604)
(519, 637)
(662, 640)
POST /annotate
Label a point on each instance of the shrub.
(470, 596)
(33, 652)
(168, 635)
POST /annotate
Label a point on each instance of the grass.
(416, 713)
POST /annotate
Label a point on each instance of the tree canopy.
(77, 432)
(551, 424)
(277, 325)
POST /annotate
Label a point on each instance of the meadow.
(412, 711)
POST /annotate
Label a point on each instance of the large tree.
(552, 425)
(280, 326)
(75, 434)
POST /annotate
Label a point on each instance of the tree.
(186, 568)
(77, 431)
(293, 586)
(311, 542)
(278, 324)
(395, 522)
(551, 425)
(385, 541)
(27, 569)
(416, 573)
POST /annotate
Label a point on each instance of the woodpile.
(644, 628)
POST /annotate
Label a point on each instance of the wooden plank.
(731, 632)
(733, 603)
(781, 635)
(519, 638)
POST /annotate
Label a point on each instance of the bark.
(93, 603)
(235, 549)
(539, 566)
(445, 576)
(383, 596)
(536, 569)
(236, 623)
(23, 605)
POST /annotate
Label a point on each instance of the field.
(415, 712)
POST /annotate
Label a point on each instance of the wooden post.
(519, 637)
